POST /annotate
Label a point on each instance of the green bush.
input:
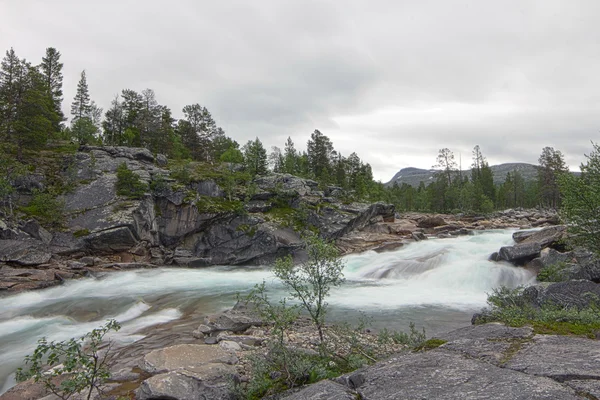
(72, 366)
(129, 183)
(511, 308)
(557, 272)
(47, 208)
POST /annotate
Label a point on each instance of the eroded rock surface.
(479, 362)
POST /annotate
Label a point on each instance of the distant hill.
(414, 176)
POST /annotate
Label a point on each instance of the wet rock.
(418, 236)
(547, 237)
(520, 253)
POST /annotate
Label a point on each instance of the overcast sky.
(394, 80)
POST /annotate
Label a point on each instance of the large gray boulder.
(179, 385)
(520, 253)
(546, 237)
(24, 252)
(569, 294)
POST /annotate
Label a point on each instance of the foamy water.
(435, 283)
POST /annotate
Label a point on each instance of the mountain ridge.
(414, 176)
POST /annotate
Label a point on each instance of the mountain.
(414, 176)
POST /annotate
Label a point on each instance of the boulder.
(24, 252)
(520, 253)
(180, 386)
(232, 321)
(188, 356)
(431, 222)
(111, 240)
(324, 390)
(546, 237)
(569, 294)
(36, 231)
(207, 188)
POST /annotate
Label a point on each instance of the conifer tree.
(51, 69)
(81, 106)
(255, 157)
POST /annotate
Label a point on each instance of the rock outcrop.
(477, 362)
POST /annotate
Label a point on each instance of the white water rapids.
(436, 283)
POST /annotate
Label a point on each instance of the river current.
(437, 284)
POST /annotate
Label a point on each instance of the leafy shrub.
(47, 208)
(129, 183)
(78, 364)
(511, 308)
(554, 273)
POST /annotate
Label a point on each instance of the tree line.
(453, 191)
(31, 97)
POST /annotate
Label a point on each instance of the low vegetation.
(510, 307)
(335, 350)
(129, 183)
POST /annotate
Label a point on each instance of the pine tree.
(319, 152)
(113, 124)
(10, 73)
(255, 157)
(51, 69)
(552, 164)
(81, 106)
(290, 158)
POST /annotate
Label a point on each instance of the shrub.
(511, 308)
(581, 202)
(557, 272)
(73, 366)
(47, 208)
(311, 281)
(129, 183)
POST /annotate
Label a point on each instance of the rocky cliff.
(193, 223)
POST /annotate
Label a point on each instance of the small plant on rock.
(72, 366)
(129, 183)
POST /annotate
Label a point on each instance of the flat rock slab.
(185, 356)
(562, 358)
(443, 374)
(177, 386)
(324, 390)
(494, 331)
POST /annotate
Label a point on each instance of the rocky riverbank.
(198, 223)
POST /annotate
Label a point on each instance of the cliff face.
(192, 224)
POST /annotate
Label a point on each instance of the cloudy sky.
(393, 80)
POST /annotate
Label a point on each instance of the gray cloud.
(392, 80)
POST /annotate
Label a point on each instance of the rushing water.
(436, 283)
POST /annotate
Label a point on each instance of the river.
(437, 284)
